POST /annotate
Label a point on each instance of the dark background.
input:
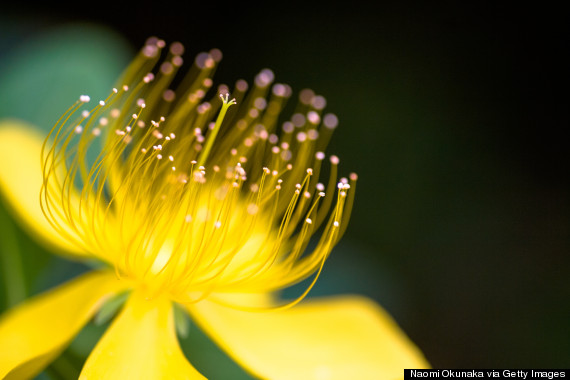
(453, 116)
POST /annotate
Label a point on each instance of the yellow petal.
(140, 344)
(34, 333)
(346, 337)
(21, 181)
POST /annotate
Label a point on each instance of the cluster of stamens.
(192, 197)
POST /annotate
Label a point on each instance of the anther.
(288, 127)
(252, 209)
(334, 160)
(319, 102)
(313, 117)
(273, 139)
(312, 134)
(330, 121)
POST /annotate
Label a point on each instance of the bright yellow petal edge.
(35, 332)
(21, 181)
(346, 337)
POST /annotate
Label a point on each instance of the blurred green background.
(452, 114)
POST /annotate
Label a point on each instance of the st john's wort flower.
(205, 201)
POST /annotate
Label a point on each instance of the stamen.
(233, 207)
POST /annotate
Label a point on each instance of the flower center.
(190, 197)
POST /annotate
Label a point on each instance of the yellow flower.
(201, 203)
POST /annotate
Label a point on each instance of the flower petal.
(140, 344)
(34, 333)
(346, 337)
(21, 181)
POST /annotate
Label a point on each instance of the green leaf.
(182, 321)
(44, 75)
(10, 257)
(65, 367)
(208, 358)
(110, 308)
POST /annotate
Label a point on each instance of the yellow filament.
(214, 132)
(188, 215)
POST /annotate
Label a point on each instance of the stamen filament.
(187, 206)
